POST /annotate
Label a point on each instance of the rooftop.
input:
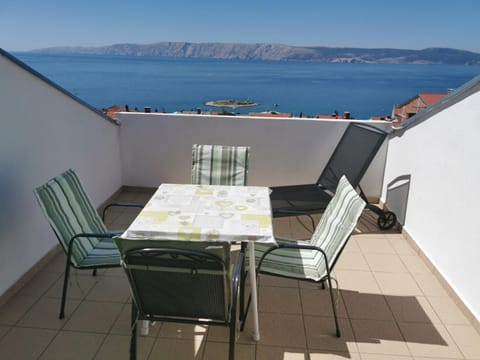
(391, 306)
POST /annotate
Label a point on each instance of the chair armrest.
(122, 204)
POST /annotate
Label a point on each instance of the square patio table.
(208, 213)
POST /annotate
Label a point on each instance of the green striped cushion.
(219, 165)
(70, 212)
(331, 234)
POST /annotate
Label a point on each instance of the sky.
(403, 24)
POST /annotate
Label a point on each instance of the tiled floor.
(389, 303)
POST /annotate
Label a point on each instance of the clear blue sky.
(406, 24)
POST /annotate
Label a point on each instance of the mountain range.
(278, 52)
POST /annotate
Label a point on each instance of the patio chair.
(220, 164)
(351, 157)
(78, 227)
(182, 281)
(314, 260)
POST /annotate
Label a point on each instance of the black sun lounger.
(352, 157)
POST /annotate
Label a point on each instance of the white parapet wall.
(156, 148)
(44, 131)
(437, 154)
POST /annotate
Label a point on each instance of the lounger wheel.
(387, 221)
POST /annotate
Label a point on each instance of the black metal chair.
(351, 157)
(182, 281)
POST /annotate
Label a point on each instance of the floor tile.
(375, 245)
(15, 309)
(122, 325)
(379, 337)
(366, 306)
(430, 340)
(447, 311)
(321, 335)
(329, 355)
(44, 314)
(279, 300)
(182, 331)
(317, 302)
(414, 309)
(94, 317)
(282, 330)
(280, 353)
(402, 284)
(78, 285)
(24, 343)
(415, 264)
(57, 264)
(361, 281)
(385, 357)
(401, 245)
(4, 330)
(118, 347)
(467, 339)
(40, 284)
(178, 349)
(352, 261)
(220, 350)
(268, 280)
(70, 345)
(430, 285)
(390, 263)
(115, 289)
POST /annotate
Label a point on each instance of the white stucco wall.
(156, 148)
(42, 133)
(440, 154)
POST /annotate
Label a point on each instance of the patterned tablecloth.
(205, 212)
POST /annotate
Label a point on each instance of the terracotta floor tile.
(44, 314)
(366, 306)
(279, 300)
(93, 316)
(282, 330)
(317, 302)
(73, 346)
(15, 309)
(447, 311)
(280, 353)
(321, 335)
(398, 284)
(118, 347)
(219, 350)
(379, 337)
(178, 349)
(25, 343)
(390, 263)
(430, 340)
(467, 339)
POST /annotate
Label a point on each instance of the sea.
(306, 88)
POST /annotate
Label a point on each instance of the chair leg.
(64, 291)
(333, 305)
(322, 284)
(94, 272)
(242, 288)
(133, 338)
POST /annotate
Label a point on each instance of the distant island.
(231, 103)
(278, 52)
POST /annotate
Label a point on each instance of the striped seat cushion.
(331, 235)
(70, 211)
(219, 165)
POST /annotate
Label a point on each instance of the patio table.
(209, 213)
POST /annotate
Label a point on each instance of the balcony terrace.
(408, 293)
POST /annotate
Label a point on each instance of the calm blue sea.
(183, 84)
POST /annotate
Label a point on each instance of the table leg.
(253, 286)
(145, 328)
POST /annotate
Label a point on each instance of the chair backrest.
(70, 211)
(338, 222)
(178, 279)
(352, 155)
(220, 164)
